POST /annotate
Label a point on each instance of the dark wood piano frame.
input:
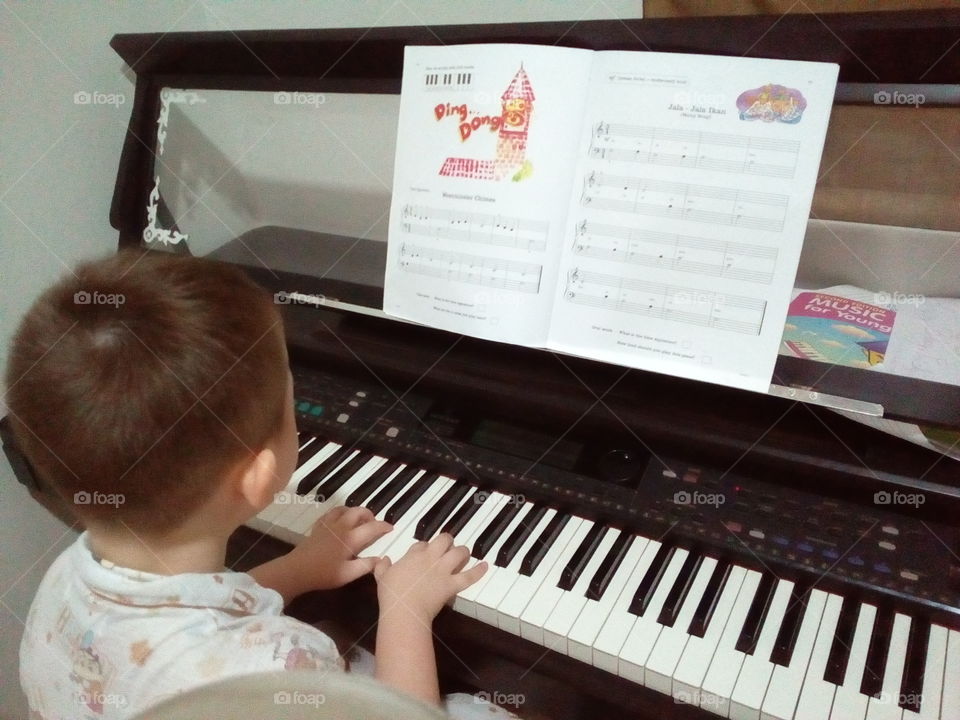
(809, 448)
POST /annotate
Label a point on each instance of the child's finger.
(463, 580)
(354, 516)
(380, 566)
(454, 560)
(333, 514)
(365, 535)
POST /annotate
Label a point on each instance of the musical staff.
(733, 313)
(722, 152)
(698, 203)
(685, 253)
(472, 269)
(475, 227)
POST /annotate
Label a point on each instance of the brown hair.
(136, 382)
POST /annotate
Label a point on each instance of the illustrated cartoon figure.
(297, 658)
(88, 672)
(511, 155)
(771, 103)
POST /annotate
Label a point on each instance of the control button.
(855, 560)
(342, 418)
(733, 526)
(806, 547)
(890, 530)
(780, 540)
(316, 410)
(758, 534)
(303, 406)
(909, 575)
(882, 567)
(361, 393)
(393, 431)
(353, 403)
(830, 553)
(691, 477)
(884, 544)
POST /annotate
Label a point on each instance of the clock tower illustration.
(511, 158)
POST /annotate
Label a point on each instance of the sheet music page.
(481, 184)
(693, 187)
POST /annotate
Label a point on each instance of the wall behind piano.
(65, 100)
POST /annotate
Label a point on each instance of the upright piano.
(658, 547)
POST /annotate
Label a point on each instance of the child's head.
(137, 383)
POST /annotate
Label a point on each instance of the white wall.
(59, 161)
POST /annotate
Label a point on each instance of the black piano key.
(519, 536)
(911, 688)
(308, 451)
(431, 521)
(469, 508)
(494, 530)
(333, 483)
(368, 486)
(711, 596)
(681, 586)
(787, 636)
(608, 568)
(313, 478)
(588, 546)
(648, 585)
(413, 493)
(389, 491)
(872, 682)
(542, 545)
(836, 668)
(750, 632)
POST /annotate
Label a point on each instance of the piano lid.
(275, 150)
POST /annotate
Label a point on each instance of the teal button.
(316, 410)
(303, 406)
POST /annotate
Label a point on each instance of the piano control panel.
(876, 546)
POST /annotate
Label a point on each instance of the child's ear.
(258, 479)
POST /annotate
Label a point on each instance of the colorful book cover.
(837, 330)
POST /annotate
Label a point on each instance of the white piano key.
(643, 635)
(933, 680)
(783, 692)
(571, 603)
(848, 702)
(465, 601)
(612, 636)
(595, 612)
(887, 707)
(748, 693)
(689, 675)
(658, 673)
(950, 702)
(526, 586)
(310, 511)
(721, 677)
(503, 578)
(407, 525)
(535, 615)
(816, 694)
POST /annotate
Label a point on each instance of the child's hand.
(328, 555)
(425, 578)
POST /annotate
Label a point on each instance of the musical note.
(471, 269)
(474, 227)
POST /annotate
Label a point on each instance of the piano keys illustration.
(471, 269)
(675, 147)
(475, 227)
(750, 262)
(689, 305)
(709, 204)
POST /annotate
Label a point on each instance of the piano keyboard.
(683, 621)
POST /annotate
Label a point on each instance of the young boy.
(151, 391)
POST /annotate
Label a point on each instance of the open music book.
(644, 209)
